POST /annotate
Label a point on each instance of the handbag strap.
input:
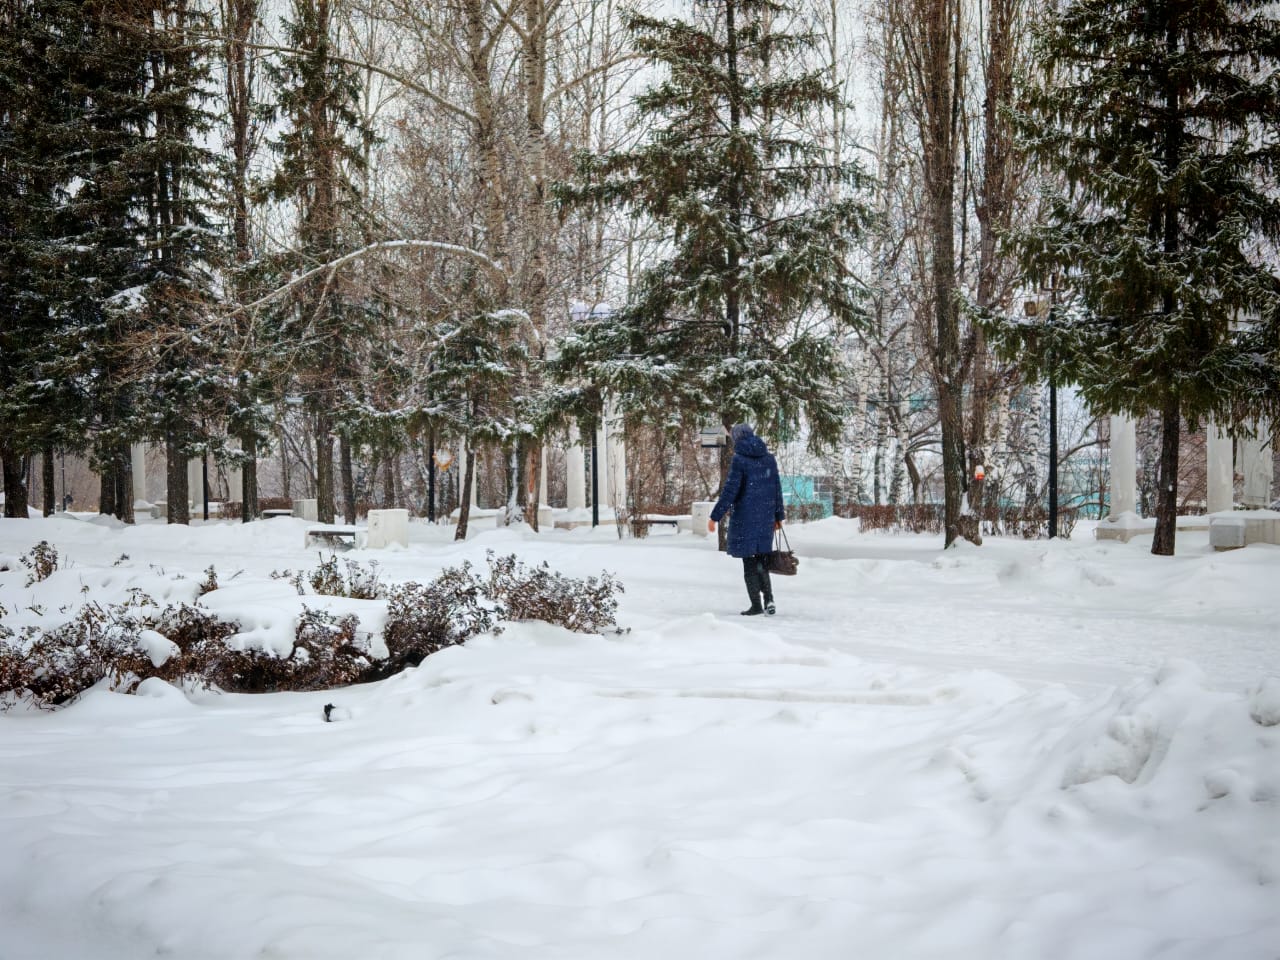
(780, 539)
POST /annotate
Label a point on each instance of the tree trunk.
(1167, 493)
(47, 482)
(115, 497)
(997, 194)
(249, 477)
(324, 466)
(176, 491)
(389, 478)
(931, 29)
(464, 495)
(107, 489)
(124, 484)
(284, 463)
(15, 487)
(348, 480)
(533, 482)
(1170, 414)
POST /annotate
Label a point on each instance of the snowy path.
(920, 757)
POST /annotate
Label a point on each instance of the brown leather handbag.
(781, 560)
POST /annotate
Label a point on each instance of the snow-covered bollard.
(306, 509)
(701, 511)
(387, 527)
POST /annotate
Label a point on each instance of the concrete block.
(306, 509)
(387, 527)
(701, 513)
(1227, 533)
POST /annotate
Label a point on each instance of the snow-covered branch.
(328, 270)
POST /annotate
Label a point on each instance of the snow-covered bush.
(422, 619)
(209, 583)
(540, 593)
(125, 644)
(41, 561)
(57, 665)
(329, 580)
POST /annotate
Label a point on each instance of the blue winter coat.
(753, 492)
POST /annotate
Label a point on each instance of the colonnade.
(1252, 460)
(611, 466)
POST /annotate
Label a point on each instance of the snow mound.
(157, 689)
(1138, 729)
(1186, 741)
(1264, 706)
(157, 647)
(108, 522)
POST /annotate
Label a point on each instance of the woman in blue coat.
(753, 494)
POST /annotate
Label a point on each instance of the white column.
(615, 458)
(138, 454)
(1221, 478)
(1124, 466)
(1256, 468)
(575, 465)
(602, 460)
(195, 483)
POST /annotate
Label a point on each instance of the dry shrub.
(327, 652)
(209, 583)
(41, 561)
(60, 664)
(540, 593)
(329, 580)
(1029, 522)
(105, 642)
(422, 619)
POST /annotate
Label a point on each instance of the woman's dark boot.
(751, 575)
(766, 587)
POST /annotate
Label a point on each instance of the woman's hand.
(777, 524)
(711, 526)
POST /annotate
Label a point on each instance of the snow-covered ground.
(1023, 750)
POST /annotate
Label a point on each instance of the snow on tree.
(1160, 119)
(319, 153)
(735, 322)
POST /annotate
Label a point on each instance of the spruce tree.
(28, 410)
(1159, 120)
(71, 74)
(183, 376)
(479, 361)
(735, 322)
(319, 155)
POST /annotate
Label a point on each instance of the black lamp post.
(1033, 308)
(595, 478)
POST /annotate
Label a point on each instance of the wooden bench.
(268, 514)
(336, 536)
(640, 525)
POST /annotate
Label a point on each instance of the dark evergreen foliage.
(736, 321)
(319, 155)
(106, 248)
(1159, 118)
